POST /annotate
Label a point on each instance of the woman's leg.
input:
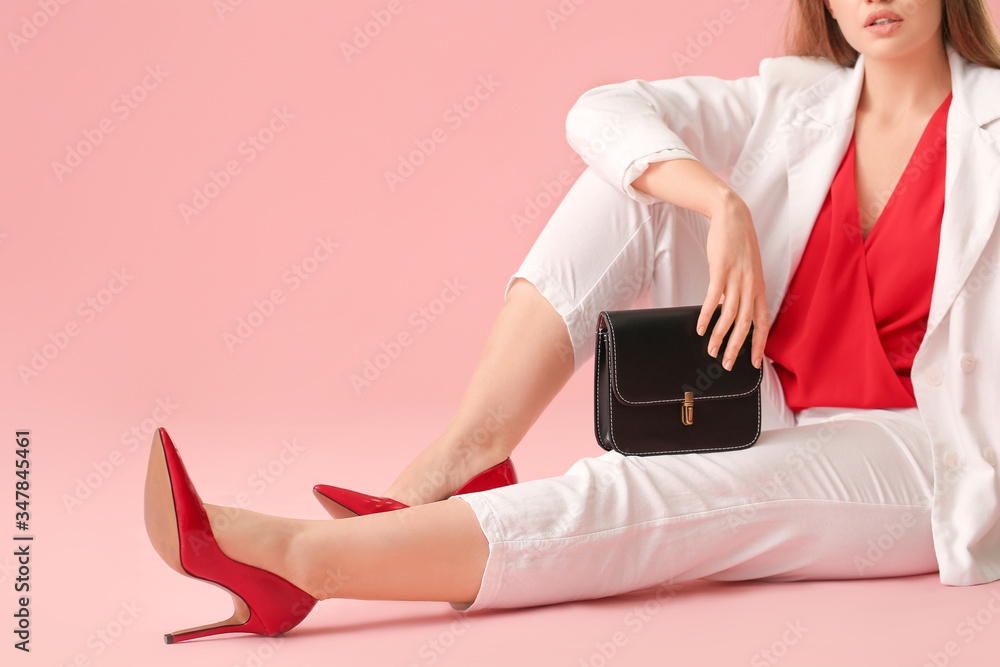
(845, 496)
(526, 361)
(598, 251)
(435, 551)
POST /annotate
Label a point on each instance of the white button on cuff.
(933, 376)
(968, 362)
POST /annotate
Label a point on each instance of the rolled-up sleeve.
(620, 129)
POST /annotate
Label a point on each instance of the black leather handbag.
(658, 391)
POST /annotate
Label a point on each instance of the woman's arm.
(662, 141)
(621, 129)
(734, 263)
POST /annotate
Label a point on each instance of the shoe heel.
(179, 529)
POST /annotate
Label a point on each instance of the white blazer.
(779, 138)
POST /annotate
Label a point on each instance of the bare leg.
(435, 551)
(527, 360)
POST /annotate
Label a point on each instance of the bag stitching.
(614, 353)
(611, 392)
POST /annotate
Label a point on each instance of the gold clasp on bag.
(687, 410)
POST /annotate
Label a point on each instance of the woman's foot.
(181, 530)
(257, 539)
(444, 467)
(341, 503)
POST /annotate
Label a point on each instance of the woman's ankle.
(256, 539)
(312, 561)
(446, 465)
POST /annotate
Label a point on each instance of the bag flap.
(656, 354)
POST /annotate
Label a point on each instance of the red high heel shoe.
(180, 531)
(343, 503)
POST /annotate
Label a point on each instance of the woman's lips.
(883, 22)
(883, 29)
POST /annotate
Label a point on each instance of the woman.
(862, 200)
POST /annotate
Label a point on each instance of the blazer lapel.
(972, 183)
(816, 133)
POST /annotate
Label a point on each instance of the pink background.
(158, 99)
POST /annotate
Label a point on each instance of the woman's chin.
(898, 44)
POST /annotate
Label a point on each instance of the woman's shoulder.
(794, 73)
(974, 74)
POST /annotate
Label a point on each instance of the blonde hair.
(965, 24)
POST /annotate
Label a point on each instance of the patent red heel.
(181, 533)
(343, 503)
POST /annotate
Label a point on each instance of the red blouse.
(856, 309)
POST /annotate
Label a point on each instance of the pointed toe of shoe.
(342, 503)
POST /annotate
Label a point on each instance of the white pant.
(830, 493)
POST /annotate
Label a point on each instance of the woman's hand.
(737, 279)
(733, 254)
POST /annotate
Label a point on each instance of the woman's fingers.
(708, 309)
(728, 296)
(761, 327)
(741, 321)
(749, 311)
(752, 321)
(736, 279)
(736, 310)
